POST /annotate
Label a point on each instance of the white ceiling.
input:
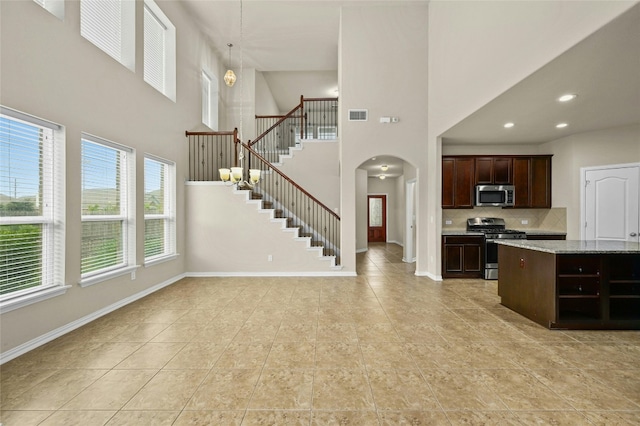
(295, 45)
(603, 70)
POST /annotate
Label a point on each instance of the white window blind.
(31, 204)
(108, 205)
(159, 50)
(210, 100)
(159, 208)
(110, 25)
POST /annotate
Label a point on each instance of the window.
(159, 50)
(55, 7)
(210, 100)
(31, 209)
(108, 210)
(159, 209)
(110, 25)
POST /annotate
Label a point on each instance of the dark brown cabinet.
(574, 291)
(531, 176)
(493, 170)
(532, 181)
(457, 182)
(462, 256)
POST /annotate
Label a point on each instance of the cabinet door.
(484, 170)
(464, 173)
(473, 258)
(540, 182)
(462, 256)
(502, 174)
(521, 181)
(453, 259)
(448, 180)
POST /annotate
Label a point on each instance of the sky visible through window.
(20, 148)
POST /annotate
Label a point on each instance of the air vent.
(358, 114)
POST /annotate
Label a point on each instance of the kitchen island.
(572, 284)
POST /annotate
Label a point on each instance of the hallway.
(385, 347)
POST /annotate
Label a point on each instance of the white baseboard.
(429, 275)
(271, 274)
(60, 331)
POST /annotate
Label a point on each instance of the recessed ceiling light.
(509, 125)
(382, 177)
(561, 125)
(384, 167)
(567, 98)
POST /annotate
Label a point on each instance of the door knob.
(633, 234)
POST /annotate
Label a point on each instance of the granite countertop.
(461, 232)
(528, 231)
(543, 232)
(575, 246)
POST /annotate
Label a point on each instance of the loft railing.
(312, 118)
(210, 151)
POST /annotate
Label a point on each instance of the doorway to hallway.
(377, 218)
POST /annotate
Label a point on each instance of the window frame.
(55, 7)
(210, 96)
(168, 61)
(169, 214)
(52, 220)
(126, 27)
(127, 178)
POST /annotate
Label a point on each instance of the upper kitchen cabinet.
(457, 182)
(532, 181)
(530, 174)
(494, 170)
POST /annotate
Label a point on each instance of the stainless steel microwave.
(494, 195)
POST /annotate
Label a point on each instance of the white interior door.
(410, 223)
(611, 203)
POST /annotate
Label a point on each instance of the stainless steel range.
(493, 228)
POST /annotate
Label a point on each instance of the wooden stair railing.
(312, 118)
(210, 151)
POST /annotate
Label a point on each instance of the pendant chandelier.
(235, 174)
(230, 76)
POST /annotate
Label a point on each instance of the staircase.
(299, 213)
(278, 215)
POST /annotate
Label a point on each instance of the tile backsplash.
(554, 219)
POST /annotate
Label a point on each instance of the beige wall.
(49, 70)
(619, 145)
(265, 102)
(317, 170)
(374, 42)
(230, 236)
(478, 50)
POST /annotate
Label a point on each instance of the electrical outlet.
(270, 258)
(524, 221)
(133, 277)
(448, 222)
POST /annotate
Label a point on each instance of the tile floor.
(385, 347)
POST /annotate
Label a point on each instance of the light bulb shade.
(236, 174)
(254, 175)
(230, 78)
(225, 174)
